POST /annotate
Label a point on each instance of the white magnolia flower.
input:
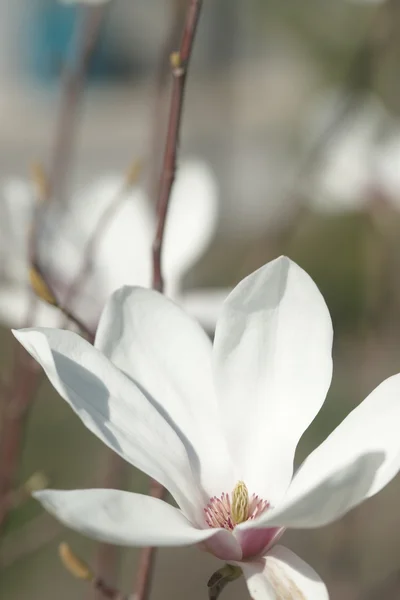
(362, 161)
(218, 425)
(122, 254)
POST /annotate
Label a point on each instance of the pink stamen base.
(218, 511)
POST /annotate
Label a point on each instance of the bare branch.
(147, 555)
(180, 64)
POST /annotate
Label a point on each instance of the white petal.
(205, 305)
(349, 167)
(273, 367)
(118, 412)
(168, 355)
(191, 221)
(355, 462)
(125, 519)
(281, 575)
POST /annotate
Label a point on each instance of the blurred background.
(295, 107)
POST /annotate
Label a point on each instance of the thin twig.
(159, 112)
(81, 570)
(180, 65)
(147, 555)
(107, 554)
(106, 590)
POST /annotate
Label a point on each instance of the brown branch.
(79, 569)
(180, 63)
(106, 590)
(107, 555)
(159, 112)
(147, 555)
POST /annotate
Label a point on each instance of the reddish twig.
(180, 63)
(79, 569)
(105, 590)
(147, 555)
(159, 111)
(107, 555)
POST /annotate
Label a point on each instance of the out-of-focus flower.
(361, 161)
(218, 425)
(121, 253)
(16, 216)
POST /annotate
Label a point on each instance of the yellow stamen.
(240, 503)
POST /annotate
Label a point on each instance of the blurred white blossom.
(361, 159)
(218, 425)
(121, 253)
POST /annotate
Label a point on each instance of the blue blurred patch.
(46, 41)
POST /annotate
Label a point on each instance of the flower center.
(229, 510)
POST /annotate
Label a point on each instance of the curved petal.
(168, 355)
(205, 305)
(126, 519)
(282, 574)
(116, 410)
(355, 462)
(273, 367)
(191, 222)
